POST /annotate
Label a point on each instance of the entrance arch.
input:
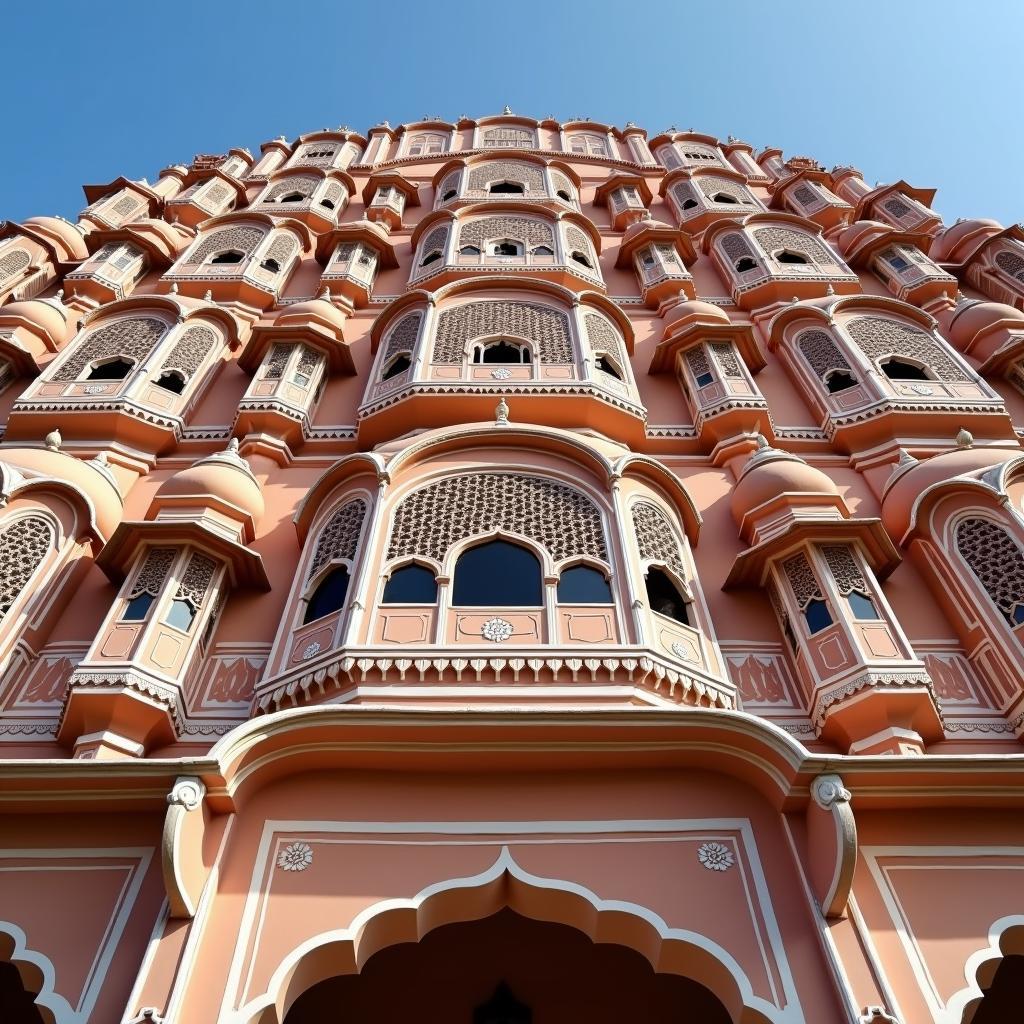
(505, 885)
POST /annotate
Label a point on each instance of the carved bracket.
(832, 838)
(184, 871)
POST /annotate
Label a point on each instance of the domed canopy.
(957, 242)
(694, 311)
(46, 319)
(319, 313)
(68, 240)
(974, 319)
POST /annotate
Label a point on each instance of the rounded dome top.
(46, 318)
(224, 476)
(319, 311)
(770, 473)
(64, 233)
(952, 238)
(854, 236)
(93, 479)
(693, 311)
(642, 226)
(972, 318)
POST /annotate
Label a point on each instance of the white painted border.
(789, 1013)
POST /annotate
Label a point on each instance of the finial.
(208, 297)
(501, 414)
(761, 441)
(53, 440)
(795, 299)
(100, 458)
(631, 124)
(282, 138)
(325, 293)
(730, 138)
(174, 287)
(232, 446)
(830, 290)
(964, 439)
(507, 110)
(60, 295)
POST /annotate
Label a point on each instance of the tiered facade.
(511, 570)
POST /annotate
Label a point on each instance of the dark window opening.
(450, 194)
(18, 1006)
(431, 257)
(791, 257)
(1004, 994)
(181, 615)
(398, 365)
(329, 203)
(329, 595)
(506, 249)
(412, 584)
(137, 608)
(1017, 615)
(744, 264)
(817, 616)
(664, 597)
(580, 584)
(293, 197)
(605, 365)
(787, 632)
(172, 381)
(690, 204)
(272, 265)
(839, 380)
(497, 574)
(704, 379)
(502, 352)
(116, 369)
(542, 250)
(227, 257)
(724, 197)
(502, 1008)
(511, 188)
(469, 250)
(564, 196)
(862, 606)
(580, 258)
(897, 369)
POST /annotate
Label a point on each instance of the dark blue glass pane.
(137, 608)
(817, 615)
(329, 596)
(862, 607)
(497, 574)
(583, 585)
(412, 584)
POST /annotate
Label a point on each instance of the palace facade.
(511, 572)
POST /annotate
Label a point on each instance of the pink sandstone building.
(511, 572)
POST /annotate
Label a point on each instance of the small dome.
(92, 479)
(45, 318)
(168, 237)
(641, 227)
(854, 237)
(224, 477)
(973, 318)
(319, 312)
(693, 311)
(770, 473)
(67, 237)
(949, 245)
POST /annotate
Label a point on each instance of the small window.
(690, 204)
(506, 248)
(790, 257)
(511, 188)
(431, 257)
(450, 194)
(839, 380)
(899, 369)
(497, 574)
(704, 379)
(137, 608)
(172, 381)
(329, 595)
(744, 264)
(605, 365)
(501, 352)
(564, 196)
(664, 597)
(542, 250)
(862, 606)
(293, 197)
(231, 256)
(181, 615)
(724, 197)
(817, 616)
(469, 250)
(115, 369)
(329, 203)
(580, 584)
(582, 259)
(398, 365)
(897, 262)
(412, 584)
(272, 265)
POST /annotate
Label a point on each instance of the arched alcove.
(17, 1005)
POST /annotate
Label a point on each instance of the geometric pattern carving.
(123, 208)
(845, 570)
(996, 560)
(507, 138)
(804, 195)
(340, 537)
(560, 183)
(13, 263)
(309, 361)
(316, 154)
(23, 546)
(773, 239)
(548, 328)
(697, 153)
(305, 185)
(576, 239)
(822, 353)
(522, 229)
(448, 183)
(273, 367)
(190, 350)
(879, 337)
(282, 249)
(802, 580)
(727, 358)
(560, 518)
(655, 537)
(698, 362)
(683, 192)
(506, 170)
(713, 186)
(244, 239)
(134, 339)
(603, 337)
(1011, 263)
(153, 572)
(736, 246)
(435, 241)
(403, 336)
(196, 581)
(896, 207)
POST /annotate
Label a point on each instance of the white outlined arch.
(37, 974)
(1004, 937)
(506, 884)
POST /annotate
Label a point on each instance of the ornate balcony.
(807, 194)
(352, 255)
(524, 178)
(660, 256)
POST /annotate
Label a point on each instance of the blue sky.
(918, 89)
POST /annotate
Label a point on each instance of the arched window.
(450, 194)
(292, 197)
(497, 574)
(431, 257)
(411, 584)
(582, 259)
(112, 369)
(512, 188)
(900, 369)
(501, 351)
(807, 593)
(605, 365)
(785, 256)
(192, 590)
(745, 263)
(398, 365)
(506, 247)
(231, 256)
(329, 595)
(564, 196)
(469, 250)
(839, 380)
(542, 250)
(23, 546)
(690, 204)
(580, 584)
(723, 197)
(272, 265)
(172, 380)
(663, 596)
(997, 561)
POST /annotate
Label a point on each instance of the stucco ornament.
(295, 857)
(187, 792)
(502, 373)
(716, 857)
(311, 650)
(496, 630)
(829, 789)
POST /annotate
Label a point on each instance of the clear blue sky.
(920, 89)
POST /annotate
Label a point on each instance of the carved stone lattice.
(547, 327)
(774, 239)
(1011, 263)
(713, 186)
(845, 570)
(309, 361)
(560, 183)
(448, 183)
(123, 207)
(995, 559)
(340, 537)
(304, 184)
(896, 207)
(507, 138)
(558, 517)
(153, 573)
(13, 263)
(216, 194)
(577, 239)
(522, 229)
(529, 175)
(669, 257)
(23, 546)
(434, 242)
(804, 195)
(697, 153)
(190, 350)
(273, 366)
(604, 338)
(343, 254)
(802, 580)
(282, 249)
(879, 338)
(778, 605)
(196, 580)
(683, 192)
(822, 353)
(697, 360)
(133, 339)
(403, 336)
(656, 538)
(244, 239)
(727, 358)
(316, 154)
(736, 246)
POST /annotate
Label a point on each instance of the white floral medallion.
(502, 373)
(311, 650)
(296, 857)
(716, 857)
(496, 630)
